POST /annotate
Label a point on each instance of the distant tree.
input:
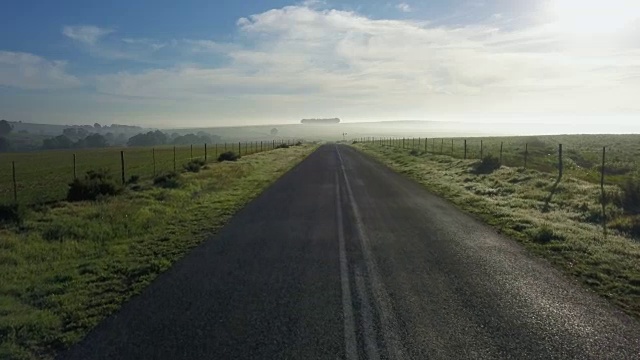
(174, 135)
(97, 126)
(5, 145)
(109, 137)
(75, 133)
(274, 131)
(5, 127)
(95, 141)
(149, 139)
(58, 142)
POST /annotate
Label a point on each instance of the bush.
(133, 179)
(194, 165)
(629, 198)
(168, 180)
(299, 143)
(228, 156)
(487, 165)
(93, 185)
(414, 152)
(282, 146)
(545, 234)
(11, 214)
(627, 224)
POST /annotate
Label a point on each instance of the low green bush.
(168, 180)
(228, 156)
(94, 184)
(487, 165)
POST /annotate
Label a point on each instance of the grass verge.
(514, 200)
(69, 265)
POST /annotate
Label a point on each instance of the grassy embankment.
(568, 232)
(69, 265)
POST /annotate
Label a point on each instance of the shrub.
(414, 152)
(194, 165)
(168, 180)
(627, 224)
(545, 234)
(93, 185)
(487, 165)
(354, 142)
(133, 179)
(228, 156)
(299, 143)
(282, 146)
(11, 214)
(629, 198)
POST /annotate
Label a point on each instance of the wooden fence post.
(153, 152)
(603, 200)
(481, 150)
(403, 143)
(205, 152)
(451, 147)
(501, 144)
(15, 183)
(191, 152)
(442, 147)
(465, 149)
(174, 158)
(426, 143)
(260, 146)
(526, 154)
(74, 167)
(560, 165)
(122, 166)
(239, 148)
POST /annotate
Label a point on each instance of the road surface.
(343, 258)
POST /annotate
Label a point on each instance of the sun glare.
(594, 16)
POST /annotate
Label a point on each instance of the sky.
(222, 63)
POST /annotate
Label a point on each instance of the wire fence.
(586, 157)
(42, 177)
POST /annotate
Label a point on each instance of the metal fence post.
(122, 166)
(15, 183)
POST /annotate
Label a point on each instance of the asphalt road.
(343, 258)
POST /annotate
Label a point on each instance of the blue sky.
(198, 63)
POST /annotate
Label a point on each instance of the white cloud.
(404, 7)
(311, 59)
(28, 71)
(88, 35)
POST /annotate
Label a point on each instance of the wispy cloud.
(404, 7)
(88, 35)
(28, 71)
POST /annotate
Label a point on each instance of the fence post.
(426, 143)
(442, 147)
(205, 152)
(526, 154)
(413, 143)
(451, 147)
(74, 166)
(403, 143)
(465, 149)
(501, 144)
(215, 149)
(481, 150)
(174, 158)
(153, 152)
(191, 156)
(560, 165)
(122, 166)
(239, 148)
(15, 183)
(260, 146)
(603, 200)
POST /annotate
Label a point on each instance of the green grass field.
(44, 176)
(69, 265)
(565, 228)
